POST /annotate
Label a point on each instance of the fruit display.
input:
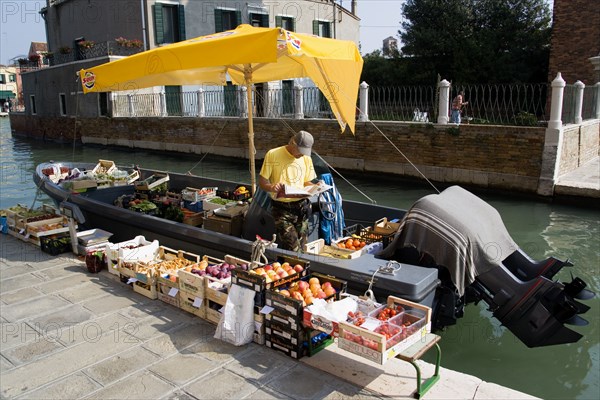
(46, 227)
(388, 312)
(351, 244)
(275, 271)
(307, 292)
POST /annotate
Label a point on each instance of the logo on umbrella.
(89, 79)
(294, 41)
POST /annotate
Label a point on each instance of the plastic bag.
(237, 321)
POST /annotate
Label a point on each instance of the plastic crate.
(55, 244)
(368, 234)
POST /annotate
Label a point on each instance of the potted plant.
(86, 44)
(65, 50)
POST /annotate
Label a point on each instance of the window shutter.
(264, 20)
(293, 24)
(238, 18)
(218, 20)
(328, 29)
(315, 27)
(159, 36)
(278, 21)
(181, 21)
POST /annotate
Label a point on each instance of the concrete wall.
(96, 20)
(498, 157)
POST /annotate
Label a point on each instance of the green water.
(478, 345)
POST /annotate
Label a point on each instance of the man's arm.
(268, 186)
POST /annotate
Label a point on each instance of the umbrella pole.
(251, 149)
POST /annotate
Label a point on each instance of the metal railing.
(76, 53)
(502, 104)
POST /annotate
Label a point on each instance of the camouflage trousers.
(291, 223)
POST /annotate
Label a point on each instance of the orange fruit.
(341, 245)
(356, 243)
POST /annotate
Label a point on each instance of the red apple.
(298, 268)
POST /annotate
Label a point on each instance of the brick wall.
(575, 38)
(498, 157)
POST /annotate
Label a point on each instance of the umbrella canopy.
(245, 55)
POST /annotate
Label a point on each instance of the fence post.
(298, 101)
(558, 89)
(579, 86)
(130, 104)
(363, 95)
(201, 112)
(163, 104)
(243, 106)
(443, 102)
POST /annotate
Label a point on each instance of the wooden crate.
(104, 167)
(126, 267)
(36, 228)
(167, 257)
(193, 283)
(193, 218)
(320, 248)
(187, 301)
(374, 346)
(151, 182)
(148, 290)
(168, 294)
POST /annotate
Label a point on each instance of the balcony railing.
(77, 53)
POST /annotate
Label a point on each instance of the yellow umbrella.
(247, 55)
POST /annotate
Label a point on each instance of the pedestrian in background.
(457, 105)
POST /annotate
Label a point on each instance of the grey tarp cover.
(459, 230)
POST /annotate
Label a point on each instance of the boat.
(439, 253)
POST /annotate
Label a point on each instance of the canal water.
(478, 344)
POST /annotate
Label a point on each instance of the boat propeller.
(576, 289)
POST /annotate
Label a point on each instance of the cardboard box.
(384, 227)
(136, 249)
(374, 346)
(228, 226)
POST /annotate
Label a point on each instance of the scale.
(81, 242)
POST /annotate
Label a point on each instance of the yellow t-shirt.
(280, 166)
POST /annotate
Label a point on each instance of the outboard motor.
(465, 238)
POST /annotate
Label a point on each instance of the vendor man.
(289, 165)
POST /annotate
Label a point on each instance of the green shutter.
(218, 20)
(264, 20)
(315, 27)
(328, 29)
(159, 37)
(293, 24)
(238, 18)
(181, 21)
(278, 21)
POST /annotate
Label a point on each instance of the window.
(2, 78)
(259, 20)
(227, 19)
(32, 104)
(62, 102)
(12, 78)
(169, 23)
(288, 23)
(103, 104)
(322, 28)
(287, 97)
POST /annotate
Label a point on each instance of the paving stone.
(67, 260)
(32, 350)
(31, 308)
(266, 393)
(18, 282)
(143, 385)
(68, 281)
(178, 395)
(182, 368)
(72, 387)
(13, 334)
(7, 272)
(70, 360)
(217, 350)
(175, 340)
(489, 390)
(347, 390)
(20, 295)
(14, 252)
(115, 326)
(55, 272)
(221, 385)
(83, 292)
(293, 383)
(5, 365)
(140, 311)
(126, 363)
(260, 364)
(69, 316)
(108, 303)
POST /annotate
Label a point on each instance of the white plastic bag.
(237, 321)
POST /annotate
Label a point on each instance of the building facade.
(9, 88)
(84, 33)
